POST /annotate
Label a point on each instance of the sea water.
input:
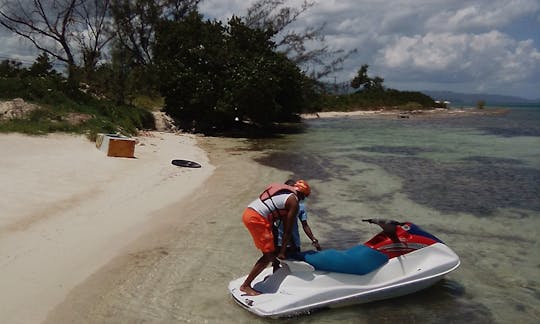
(473, 181)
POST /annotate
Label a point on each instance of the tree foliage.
(42, 85)
(215, 76)
(371, 94)
(43, 66)
(306, 48)
(363, 82)
(71, 31)
(480, 104)
(136, 22)
(10, 69)
(131, 68)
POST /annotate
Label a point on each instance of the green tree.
(480, 104)
(10, 68)
(212, 75)
(135, 22)
(68, 30)
(363, 81)
(275, 79)
(190, 58)
(307, 48)
(42, 66)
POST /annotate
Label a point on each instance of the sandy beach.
(178, 271)
(67, 210)
(86, 238)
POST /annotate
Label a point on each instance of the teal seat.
(357, 260)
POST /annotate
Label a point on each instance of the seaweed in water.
(477, 185)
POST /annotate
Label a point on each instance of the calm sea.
(473, 181)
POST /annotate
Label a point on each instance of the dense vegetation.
(61, 107)
(214, 76)
(376, 99)
(209, 76)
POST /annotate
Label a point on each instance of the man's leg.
(257, 268)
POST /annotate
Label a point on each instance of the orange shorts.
(260, 229)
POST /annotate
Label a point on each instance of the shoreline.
(403, 114)
(68, 210)
(179, 271)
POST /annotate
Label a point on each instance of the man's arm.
(292, 209)
(308, 232)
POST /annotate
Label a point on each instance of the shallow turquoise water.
(472, 181)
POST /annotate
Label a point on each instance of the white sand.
(66, 209)
(393, 113)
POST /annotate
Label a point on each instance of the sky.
(468, 46)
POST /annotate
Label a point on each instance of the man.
(294, 246)
(277, 202)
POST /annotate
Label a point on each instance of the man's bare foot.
(249, 291)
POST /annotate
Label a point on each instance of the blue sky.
(471, 46)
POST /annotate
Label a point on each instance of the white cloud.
(490, 57)
(438, 43)
(480, 14)
(431, 52)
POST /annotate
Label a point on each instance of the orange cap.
(303, 187)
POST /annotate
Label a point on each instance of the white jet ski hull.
(297, 288)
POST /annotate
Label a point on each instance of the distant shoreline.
(394, 113)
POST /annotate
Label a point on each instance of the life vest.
(272, 190)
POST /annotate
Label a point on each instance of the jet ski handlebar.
(381, 221)
(388, 226)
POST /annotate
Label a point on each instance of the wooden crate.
(116, 145)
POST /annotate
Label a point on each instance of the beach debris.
(186, 163)
(116, 145)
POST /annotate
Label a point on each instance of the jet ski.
(401, 259)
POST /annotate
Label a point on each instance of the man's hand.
(315, 243)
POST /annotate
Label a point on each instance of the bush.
(481, 104)
(212, 76)
(375, 99)
(410, 106)
(50, 94)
